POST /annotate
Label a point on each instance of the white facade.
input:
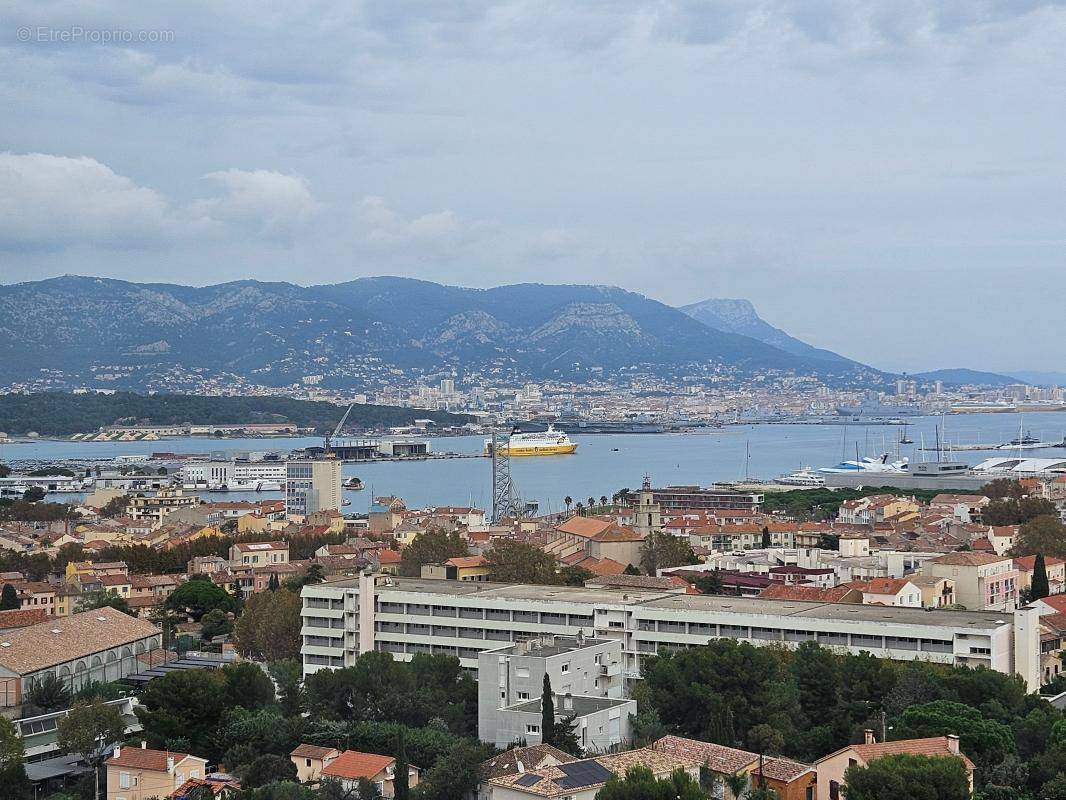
(406, 616)
(227, 472)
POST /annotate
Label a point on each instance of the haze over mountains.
(274, 333)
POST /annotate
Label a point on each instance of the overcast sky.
(882, 178)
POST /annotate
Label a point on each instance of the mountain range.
(76, 330)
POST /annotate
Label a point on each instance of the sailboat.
(903, 437)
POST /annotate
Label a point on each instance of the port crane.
(328, 441)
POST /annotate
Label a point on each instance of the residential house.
(310, 760)
(1002, 538)
(352, 766)
(792, 780)
(936, 592)
(888, 592)
(1054, 567)
(983, 581)
(963, 507)
(139, 773)
(258, 554)
(581, 780)
(831, 768)
(463, 568)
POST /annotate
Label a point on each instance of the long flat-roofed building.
(100, 645)
(345, 617)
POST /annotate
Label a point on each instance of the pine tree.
(765, 538)
(400, 786)
(1039, 587)
(547, 712)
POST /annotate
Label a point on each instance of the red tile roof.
(933, 746)
(815, 594)
(21, 617)
(353, 765)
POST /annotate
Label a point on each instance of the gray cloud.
(846, 165)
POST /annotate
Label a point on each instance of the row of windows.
(497, 614)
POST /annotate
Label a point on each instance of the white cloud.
(48, 202)
(269, 204)
(386, 227)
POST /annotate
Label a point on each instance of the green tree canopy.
(1044, 534)
(13, 778)
(89, 729)
(269, 627)
(640, 783)
(197, 597)
(9, 598)
(910, 776)
(984, 740)
(662, 550)
(435, 546)
(511, 561)
(105, 599)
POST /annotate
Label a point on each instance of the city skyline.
(859, 174)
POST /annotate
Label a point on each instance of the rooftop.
(520, 759)
(352, 764)
(60, 640)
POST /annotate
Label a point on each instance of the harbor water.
(604, 464)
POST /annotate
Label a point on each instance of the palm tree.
(603, 500)
(579, 507)
(592, 502)
(568, 500)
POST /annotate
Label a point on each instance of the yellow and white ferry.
(542, 443)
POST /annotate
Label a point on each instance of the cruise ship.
(542, 443)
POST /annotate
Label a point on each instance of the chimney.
(869, 734)
(118, 751)
(953, 744)
(170, 764)
(144, 744)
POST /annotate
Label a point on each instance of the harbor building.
(312, 486)
(346, 617)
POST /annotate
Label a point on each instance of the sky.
(885, 179)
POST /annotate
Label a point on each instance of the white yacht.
(867, 464)
(805, 476)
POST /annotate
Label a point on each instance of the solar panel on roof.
(583, 773)
(528, 780)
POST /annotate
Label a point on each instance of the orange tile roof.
(389, 557)
(21, 617)
(353, 765)
(585, 527)
(968, 559)
(933, 746)
(145, 758)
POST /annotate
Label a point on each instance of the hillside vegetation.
(61, 414)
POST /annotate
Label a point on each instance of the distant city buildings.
(312, 486)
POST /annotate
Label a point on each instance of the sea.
(603, 464)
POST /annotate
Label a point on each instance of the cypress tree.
(547, 712)
(9, 598)
(274, 584)
(401, 790)
(1039, 587)
(765, 537)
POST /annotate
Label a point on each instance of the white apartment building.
(586, 681)
(312, 486)
(403, 616)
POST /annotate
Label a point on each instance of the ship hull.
(540, 450)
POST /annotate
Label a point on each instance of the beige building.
(983, 581)
(831, 768)
(310, 760)
(156, 507)
(596, 537)
(258, 554)
(936, 592)
(137, 773)
(312, 486)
